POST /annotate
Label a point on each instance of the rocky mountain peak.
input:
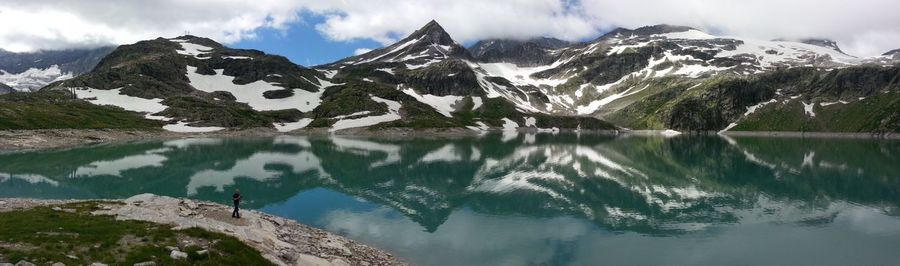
(427, 45)
(533, 51)
(645, 31)
(432, 33)
(895, 52)
(827, 43)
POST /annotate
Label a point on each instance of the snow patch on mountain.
(237, 57)
(252, 93)
(808, 109)
(479, 126)
(520, 75)
(442, 104)
(689, 35)
(594, 105)
(192, 49)
(291, 126)
(773, 53)
(476, 102)
(33, 78)
(752, 109)
(115, 97)
(183, 127)
(392, 115)
(509, 124)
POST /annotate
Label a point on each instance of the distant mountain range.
(655, 77)
(34, 70)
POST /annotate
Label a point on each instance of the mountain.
(32, 70)
(438, 72)
(654, 77)
(537, 51)
(420, 49)
(195, 84)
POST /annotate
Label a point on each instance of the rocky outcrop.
(533, 52)
(282, 241)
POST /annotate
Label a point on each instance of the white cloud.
(57, 24)
(361, 51)
(466, 20)
(863, 28)
(866, 27)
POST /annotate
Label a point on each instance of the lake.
(523, 199)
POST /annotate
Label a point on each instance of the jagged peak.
(430, 41)
(433, 32)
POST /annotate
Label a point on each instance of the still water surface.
(524, 199)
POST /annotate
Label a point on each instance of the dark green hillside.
(57, 109)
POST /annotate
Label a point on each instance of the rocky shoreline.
(281, 241)
(13, 140)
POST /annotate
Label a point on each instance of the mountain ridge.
(427, 79)
(30, 71)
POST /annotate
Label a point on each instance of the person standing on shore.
(236, 197)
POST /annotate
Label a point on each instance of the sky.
(312, 32)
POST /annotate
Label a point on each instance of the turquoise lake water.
(525, 199)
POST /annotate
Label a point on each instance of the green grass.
(56, 110)
(877, 113)
(47, 236)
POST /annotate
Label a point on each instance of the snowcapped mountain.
(34, 70)
(194, 84)
(420, 49)
(655, 77)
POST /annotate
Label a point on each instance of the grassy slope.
(55, 109)
(857, 116)
(45, 235)
(721, 97)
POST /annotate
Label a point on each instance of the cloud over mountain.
(865, 28)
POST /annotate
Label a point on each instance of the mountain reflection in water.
(522, 198)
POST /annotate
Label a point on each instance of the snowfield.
(442, 104)
(192, 49)
(136, 104)
(252, 93)
(509, 124)
(33, 78)
(287, 127)
(392, 114)
(182, 126)
(116, 98)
